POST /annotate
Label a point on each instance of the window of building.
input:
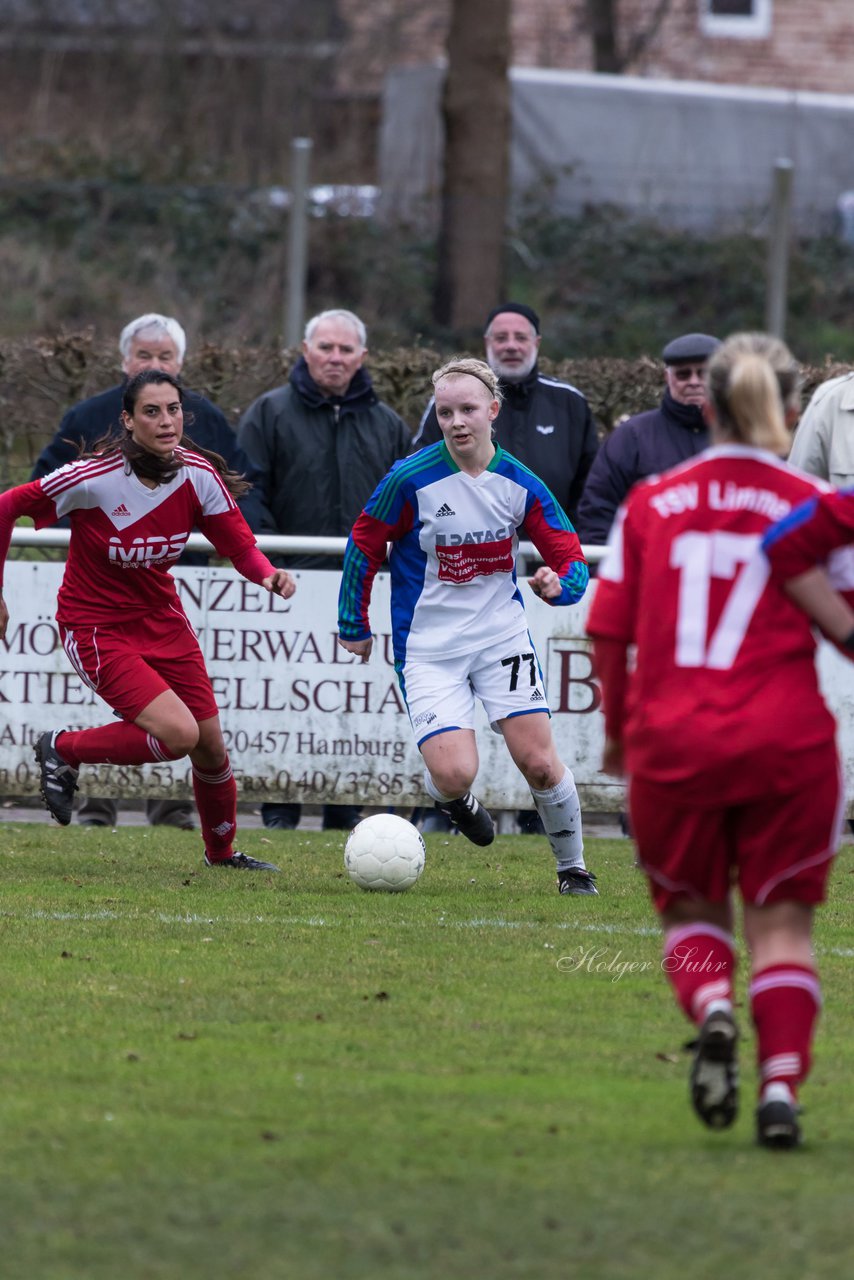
(750, 19)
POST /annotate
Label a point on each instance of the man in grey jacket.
(322, 443)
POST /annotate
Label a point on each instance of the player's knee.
(453, 780)
(538, 771)
(182, 738)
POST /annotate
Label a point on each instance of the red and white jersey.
(125, 537)
(724, 697)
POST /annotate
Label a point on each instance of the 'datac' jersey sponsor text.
(475, 553)
(474, 535)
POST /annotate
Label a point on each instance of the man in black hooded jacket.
(545, 423)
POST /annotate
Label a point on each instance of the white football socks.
(560, 810)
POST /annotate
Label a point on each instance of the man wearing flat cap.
(650, 442)
(545, 423)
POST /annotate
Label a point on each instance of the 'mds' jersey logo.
(142, 553)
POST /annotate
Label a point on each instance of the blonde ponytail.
(753, 382)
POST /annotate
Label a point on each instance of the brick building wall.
(809, 46)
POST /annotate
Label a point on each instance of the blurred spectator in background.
(824, 440)
(545, 423)
(151, 341)
(651, 442)
(321, 444)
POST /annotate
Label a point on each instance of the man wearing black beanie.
(545, 423)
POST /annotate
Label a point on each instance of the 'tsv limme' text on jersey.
(455, 539)
(723, 699)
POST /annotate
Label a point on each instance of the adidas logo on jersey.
(545, 431)
(445, 510)
(121, 510)
(536, 696)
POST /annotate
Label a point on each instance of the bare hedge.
(41, 378)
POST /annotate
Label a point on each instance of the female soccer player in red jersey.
(734, 780)
(132, 505)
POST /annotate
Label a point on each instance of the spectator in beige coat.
(824, 440)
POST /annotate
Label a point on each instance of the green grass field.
(211, 1074)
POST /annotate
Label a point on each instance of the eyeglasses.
(688, 372)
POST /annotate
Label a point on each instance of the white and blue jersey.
(454, 542)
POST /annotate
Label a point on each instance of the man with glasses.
(650, 442)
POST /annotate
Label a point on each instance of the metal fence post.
(778, 249)
(295, 286)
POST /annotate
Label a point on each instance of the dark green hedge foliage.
(40, 379)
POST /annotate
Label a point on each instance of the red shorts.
(131, 665)
(776, 849)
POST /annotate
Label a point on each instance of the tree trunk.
(603, 31)
(476, 116)
(611, 52)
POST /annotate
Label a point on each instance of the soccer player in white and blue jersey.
(454, 513)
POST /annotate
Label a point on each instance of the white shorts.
(440, 694)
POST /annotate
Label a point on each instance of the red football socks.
(785, 1000)
(216, 800)
(119, 743)
(699, 962)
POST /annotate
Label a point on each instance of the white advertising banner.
(303, 719)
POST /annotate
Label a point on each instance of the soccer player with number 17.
(734, 780)
(453, 513)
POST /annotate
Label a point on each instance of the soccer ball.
(384, 852)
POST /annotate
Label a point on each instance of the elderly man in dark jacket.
(151, 341)
(651, 442)
(545, 423)
(322, 443)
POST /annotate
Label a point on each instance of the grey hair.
(476, 369)
(349, 317)
(159, 324)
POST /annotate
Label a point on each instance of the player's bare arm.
(812, 592)
(281, 583)
(545, 583)
(612, 758)
(4, 617)
(361, 648)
